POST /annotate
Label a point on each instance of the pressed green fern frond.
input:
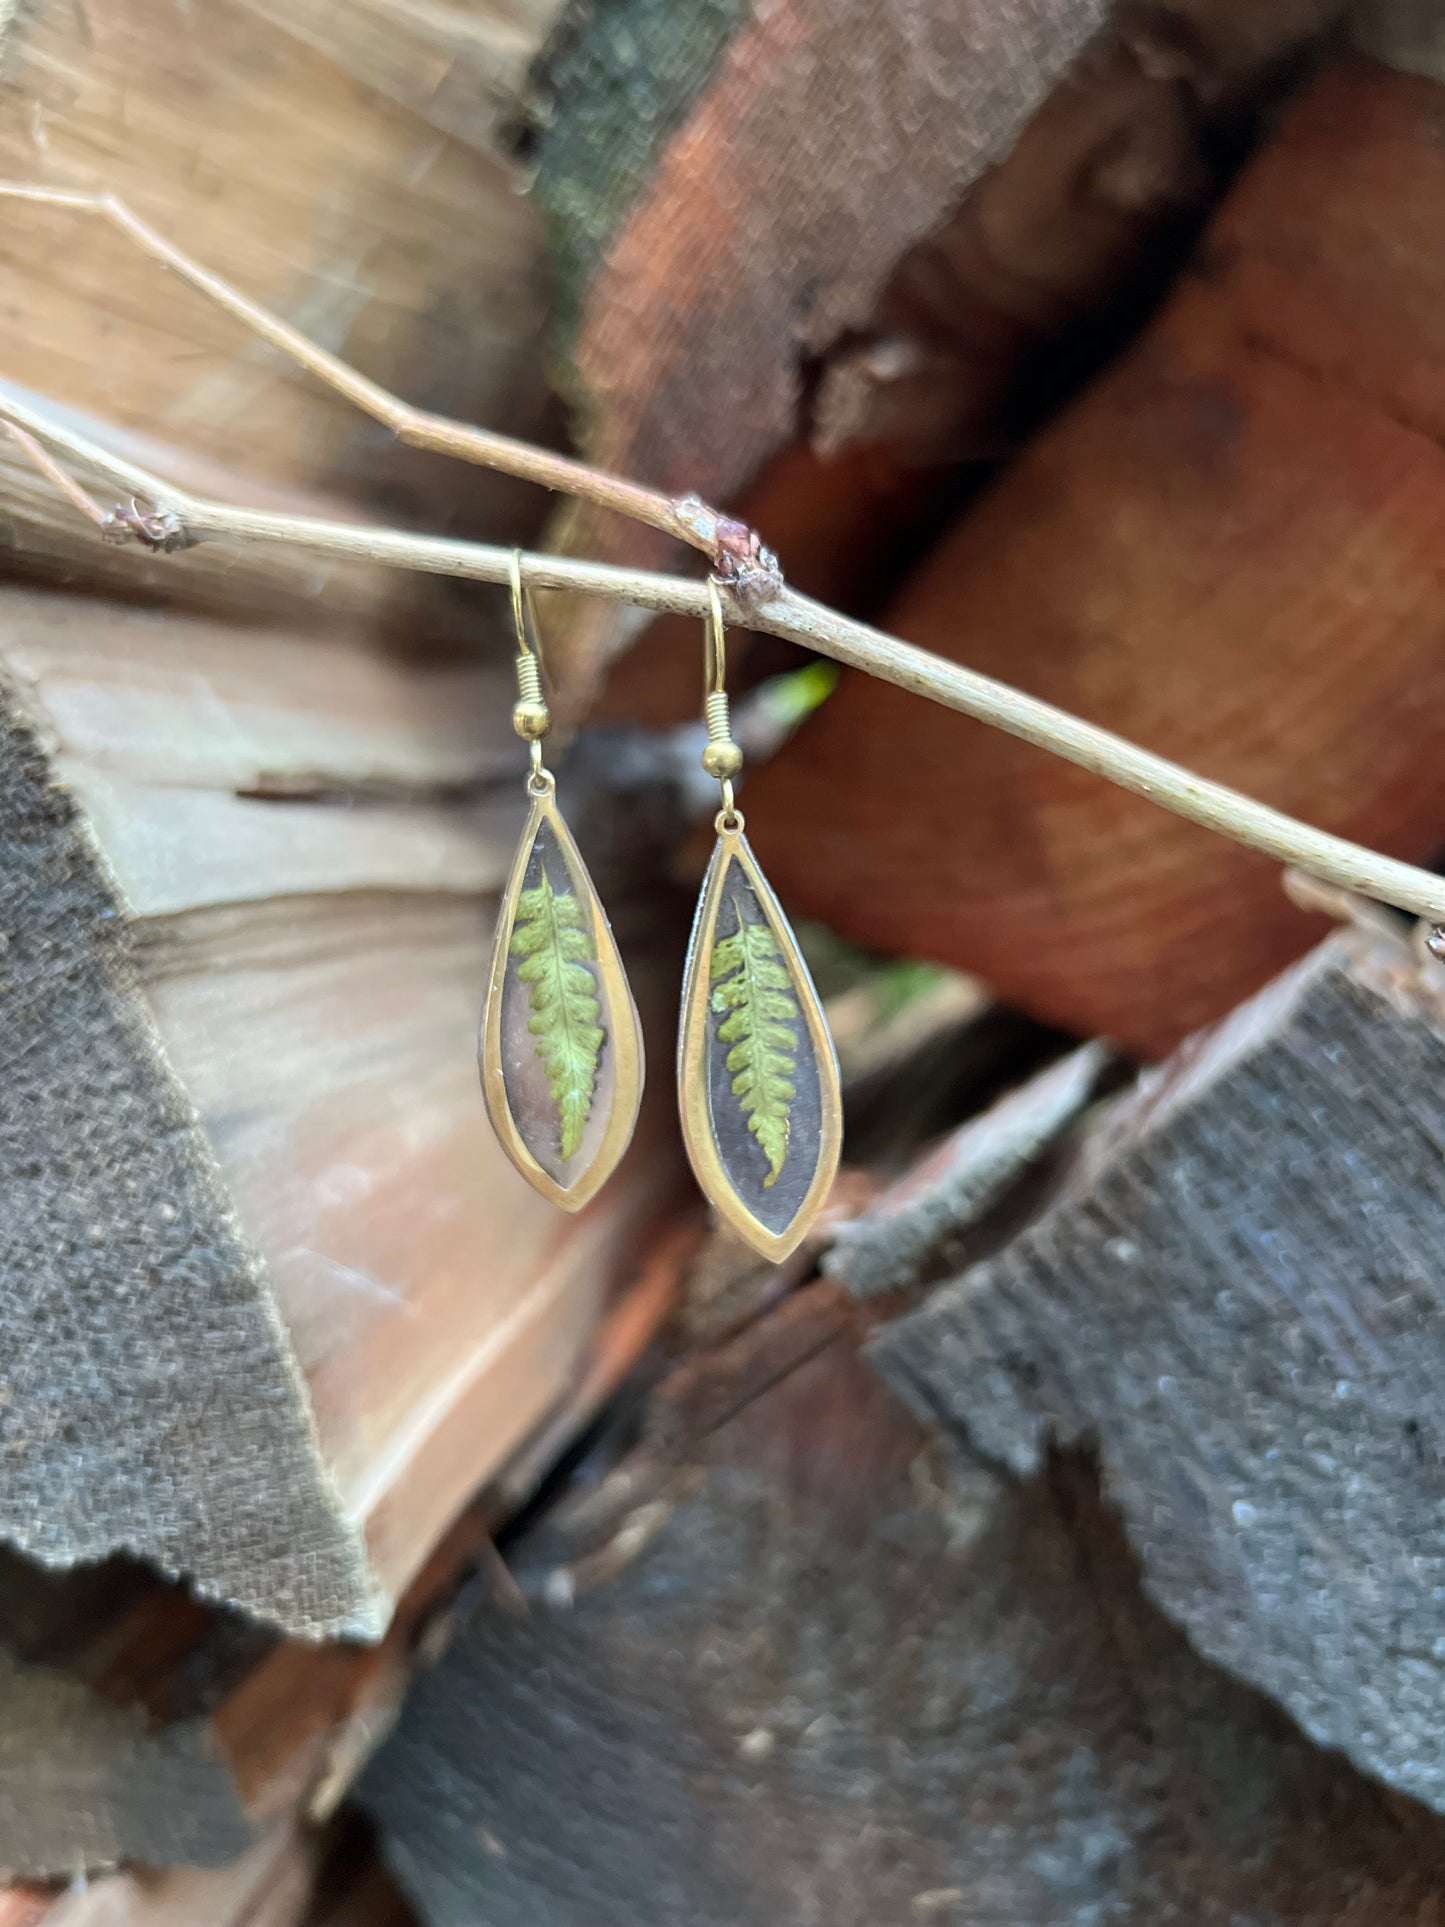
(552, 938)
(751, 983)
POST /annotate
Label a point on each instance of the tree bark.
(1234, 1301)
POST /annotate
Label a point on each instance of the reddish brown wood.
(1229, 550)
(831, 136)
(913, 261)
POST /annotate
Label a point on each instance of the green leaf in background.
(752, 985)
(552, 939)
(790, 699)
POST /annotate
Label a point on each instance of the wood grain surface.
(270, 927)
(339, 163)
(829, 136)
(1227, 550)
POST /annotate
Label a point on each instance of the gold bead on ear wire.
(757, 1077)
(561, 1046)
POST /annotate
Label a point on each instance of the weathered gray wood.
(814, 1667)
(84, 1785)
(144, 1364)
(917, 1229)
(1237, 1303)
(108, 1678)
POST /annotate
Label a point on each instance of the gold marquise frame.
(694, 1101)
(623, 1032)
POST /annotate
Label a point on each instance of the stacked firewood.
(1056, 1535)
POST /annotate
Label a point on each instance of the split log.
(87, 1785)
(301, 840)
(777, 185)
(1235, 1302)
(138, 1726)
(905, 271)
(130, 1724)
(342, 165)
(377, 215)
(800, 1660)
(1228, 549)
(247, 887)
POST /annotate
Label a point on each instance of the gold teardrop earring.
(561, 1045)
(757, 1077)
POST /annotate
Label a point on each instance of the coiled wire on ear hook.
(531, 717)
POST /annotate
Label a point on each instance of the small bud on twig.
(160, 530)
(740, 559)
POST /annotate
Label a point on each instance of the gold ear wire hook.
(531, 717)
(722, 757)
(714, 669)
(524, 610)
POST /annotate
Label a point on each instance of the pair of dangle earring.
(561, 1046)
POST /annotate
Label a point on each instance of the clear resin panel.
(561, 1050)
(758, 1081)
(762, 1074)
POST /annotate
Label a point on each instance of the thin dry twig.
(160, 516)
(733, 549)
